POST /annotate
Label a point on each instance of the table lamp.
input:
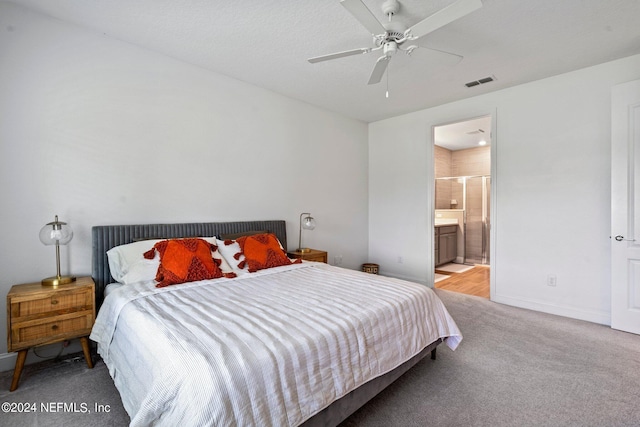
(56, 233)
(308, 223)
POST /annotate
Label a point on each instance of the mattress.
(271, 348)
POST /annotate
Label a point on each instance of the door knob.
(620, 238)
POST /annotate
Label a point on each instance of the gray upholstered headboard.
(106, 237)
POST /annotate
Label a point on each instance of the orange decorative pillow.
(262, 251)
(184, 260)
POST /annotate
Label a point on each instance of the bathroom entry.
(462, 217)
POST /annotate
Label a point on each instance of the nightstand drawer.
(317, 258)
(52, 329)
(58, 302)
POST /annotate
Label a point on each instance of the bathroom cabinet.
(446, 244)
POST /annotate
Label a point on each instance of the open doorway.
(462, 202)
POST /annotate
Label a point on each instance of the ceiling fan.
(392, 36)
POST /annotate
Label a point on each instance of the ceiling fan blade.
(379, 69)
(364, 16)
(339, 55)
(444, 16)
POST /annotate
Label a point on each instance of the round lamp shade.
(56, 232)
(308, 223)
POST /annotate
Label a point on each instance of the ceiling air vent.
(480, 81)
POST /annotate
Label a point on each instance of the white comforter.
(267, 349)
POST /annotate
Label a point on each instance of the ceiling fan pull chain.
(387, 94)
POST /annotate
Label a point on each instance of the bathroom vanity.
(446, 243)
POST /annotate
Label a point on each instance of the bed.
(299, 344)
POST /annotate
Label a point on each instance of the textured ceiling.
(267, 43)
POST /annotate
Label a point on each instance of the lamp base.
(58, 280)
(304, 250)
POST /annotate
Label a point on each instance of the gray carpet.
(58, 382)
(514, 368)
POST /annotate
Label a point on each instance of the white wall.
(102, 132)
(552, 184)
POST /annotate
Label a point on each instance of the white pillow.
(124, 257)
(228, 251)
(224, 265)
(142, 271)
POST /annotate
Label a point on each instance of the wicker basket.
(370, 268)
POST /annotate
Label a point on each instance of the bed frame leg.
(433, 354)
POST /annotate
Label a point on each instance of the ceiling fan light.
(390, 48)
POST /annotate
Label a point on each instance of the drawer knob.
(54, 327)
(54, 301)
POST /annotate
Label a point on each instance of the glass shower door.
(486, 226)
(473, 232)
(477, 219)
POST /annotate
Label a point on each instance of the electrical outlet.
(337, 260)
(552, 280)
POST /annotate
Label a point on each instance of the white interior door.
(625, 207)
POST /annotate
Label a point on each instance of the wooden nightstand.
(38, 315)
(312, 255)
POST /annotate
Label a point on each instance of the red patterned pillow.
(262, 251)
(184, 260)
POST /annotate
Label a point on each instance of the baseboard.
(595, 316)
(8, 360)
(407, 278)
